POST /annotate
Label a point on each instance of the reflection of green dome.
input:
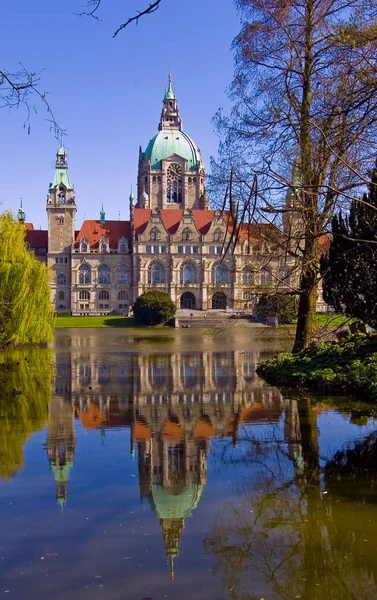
(172, 141)
(61, 474)
(169, 506)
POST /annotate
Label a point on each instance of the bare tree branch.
(18, 89)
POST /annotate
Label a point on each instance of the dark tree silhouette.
(350, 268)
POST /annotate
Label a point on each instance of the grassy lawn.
(331, 320)
(105, 321)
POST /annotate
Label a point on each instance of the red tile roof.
(93, 231)
(203, 219)
(29, 226)
(37, 239)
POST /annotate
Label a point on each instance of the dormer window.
(103, 247)
(218, 236)
(155, 234)
(122, 246)
(187, 235)
(84, 245)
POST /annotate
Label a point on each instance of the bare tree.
(304, 119)
(19, 89)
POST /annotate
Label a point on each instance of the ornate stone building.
(173, 242)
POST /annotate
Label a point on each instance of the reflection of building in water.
(174, 404)
(61, 443)
(61, 434)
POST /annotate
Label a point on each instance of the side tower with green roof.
(61, 214)
(171, 170)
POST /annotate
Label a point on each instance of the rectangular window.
(180, 249)
(148, 249)
(211, 250)
(43, 250)
(81, 307)
(187, 249)
(195, 250)
(218, 249)
(163, 249)
(156, 249)
(101, 305)
(65, 259)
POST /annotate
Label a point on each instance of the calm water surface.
(142, 464)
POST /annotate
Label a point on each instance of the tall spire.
(102, 216)
(21, 216)
(61, 176)
(170, 118)
(169, 95)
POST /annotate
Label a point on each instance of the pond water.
(153, 464)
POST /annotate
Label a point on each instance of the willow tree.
(26, 313)
(304, 119)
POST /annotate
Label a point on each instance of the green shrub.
(345, 367)
(153, 308)
(283, 307)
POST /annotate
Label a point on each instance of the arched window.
(61, 195)
(220, 274)
(188, 274)
(60, 220)
(174, 184)
(246, 249)
(84, 274)
(218, 236)
(123, 275)
(265, 277)
(103, 274)
(61, 296)
(187, 235)
(248, 295)
(122, 295)
(155, 234)
(61, 279)
(84, 295)
(156, 274)
(103, 295)
(247, 276)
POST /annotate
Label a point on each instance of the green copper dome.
(168, 142)
(171, 506)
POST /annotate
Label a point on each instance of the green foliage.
(350, 269)
(29, 371)
(346, 367)
(153, 308)
(26, 314)
(283, 307)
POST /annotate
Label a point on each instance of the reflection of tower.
(61, 443)
(172, 473)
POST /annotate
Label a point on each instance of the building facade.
(172, 242)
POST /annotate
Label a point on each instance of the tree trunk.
(306, 328)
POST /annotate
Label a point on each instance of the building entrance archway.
(188, 301)
(219, 301)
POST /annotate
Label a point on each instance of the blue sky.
(107, 93)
